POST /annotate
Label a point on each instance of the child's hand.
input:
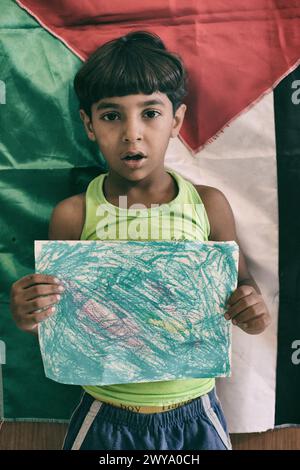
(29, 295)
(248, 310)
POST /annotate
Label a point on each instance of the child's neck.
(154, 189)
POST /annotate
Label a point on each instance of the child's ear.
(87, 125)
(178, 120)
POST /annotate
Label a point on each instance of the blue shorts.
(197, 425)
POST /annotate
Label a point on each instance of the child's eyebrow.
(107, 104)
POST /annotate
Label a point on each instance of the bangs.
(121, 68)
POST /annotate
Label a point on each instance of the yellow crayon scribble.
(172, 326)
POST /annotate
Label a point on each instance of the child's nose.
(132, 132)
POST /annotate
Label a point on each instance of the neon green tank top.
(104, 224)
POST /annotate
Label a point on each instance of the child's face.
(133, 123)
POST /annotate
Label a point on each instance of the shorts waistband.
(148, 409)
(176, 415)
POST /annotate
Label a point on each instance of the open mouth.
(136, 156)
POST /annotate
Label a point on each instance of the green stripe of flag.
(44, 158)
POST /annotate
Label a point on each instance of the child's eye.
(109, 114)
(151, 113)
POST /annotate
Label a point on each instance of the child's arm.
(247, 308)
(39, 291)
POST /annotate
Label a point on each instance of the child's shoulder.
(209, 194)
(219, 212)
(67, 218)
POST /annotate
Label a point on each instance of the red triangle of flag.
(234, 51)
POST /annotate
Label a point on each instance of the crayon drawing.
(136, 311)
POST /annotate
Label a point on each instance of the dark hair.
(136, 63)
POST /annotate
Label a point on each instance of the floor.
(49, 436)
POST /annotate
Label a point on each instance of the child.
(130, 92)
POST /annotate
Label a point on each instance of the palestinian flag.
(241, 135)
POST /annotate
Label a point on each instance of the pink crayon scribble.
(108, 320)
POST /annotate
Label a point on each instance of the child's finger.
(247, 315)
(39, 316)
(241, 306)
(240, 293)
(42, 289)
(41, 302)
(31, 321)
(36, 278)
(256, 325)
